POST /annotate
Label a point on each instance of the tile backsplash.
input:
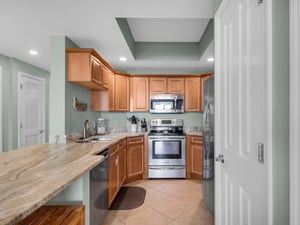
(117, 122)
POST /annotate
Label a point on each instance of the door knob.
(220, 158)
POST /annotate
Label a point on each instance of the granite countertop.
(29, 177)
(195, 133)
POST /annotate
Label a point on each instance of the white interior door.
(31, 110)
(240, 102)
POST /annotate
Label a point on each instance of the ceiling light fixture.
(33, 52)
(211, 59)
(123, 59)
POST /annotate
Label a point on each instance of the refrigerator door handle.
(220, 158)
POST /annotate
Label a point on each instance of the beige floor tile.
(167, 202)
(153, 195)
(172, 207)
(111, 220)
(149, 216)
(124, 214)
(197, 216)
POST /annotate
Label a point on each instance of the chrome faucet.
(85, 134)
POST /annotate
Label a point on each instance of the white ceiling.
(167, 30)
(28, 24)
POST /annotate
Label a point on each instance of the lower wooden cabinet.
(113, 177)
(125, 164)
(135, 158)
(122, 161)
(194, 157)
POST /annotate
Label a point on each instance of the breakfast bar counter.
(30, 177)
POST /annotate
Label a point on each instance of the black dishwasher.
(99, 191)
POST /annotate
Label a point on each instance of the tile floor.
(167, 202)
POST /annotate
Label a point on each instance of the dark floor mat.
(129, 198)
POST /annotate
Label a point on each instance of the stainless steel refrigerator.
(208, 144)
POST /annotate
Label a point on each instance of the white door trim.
(294, 112)
(43, 81)
(269, 111)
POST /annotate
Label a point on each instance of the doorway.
(31, 102)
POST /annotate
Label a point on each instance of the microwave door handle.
(175, 103)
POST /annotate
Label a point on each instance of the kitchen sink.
(94, 139)
(102, 138)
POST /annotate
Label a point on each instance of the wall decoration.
(77, 106)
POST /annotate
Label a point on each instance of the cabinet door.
(105, 76)
(175, 85)
(158, 85)
(135, 156)
(196, 157)
(96, 70)
(121, 93)
(122, 165)
(113, 179)
(111, 91)
(193, 94)
(139, 94)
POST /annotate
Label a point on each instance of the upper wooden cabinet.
(121, 93)
(162, 85)
(85, 68)
(193, 94)
(175, 85)
(139, 94)
(111, 91)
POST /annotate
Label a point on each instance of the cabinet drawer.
(196, 139)
(135, 140)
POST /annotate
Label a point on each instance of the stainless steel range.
(166, 149)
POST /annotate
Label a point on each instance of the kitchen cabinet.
(193, 94)
(117, 169)
(113, 174)
(116, 98)
(85, 68)
(135, 158)
(122, 161)
(194, 157)
(163, 85)
(175, 85)
(111, 91)
(139, 94)
(121, 93)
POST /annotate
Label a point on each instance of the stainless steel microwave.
(166, 103)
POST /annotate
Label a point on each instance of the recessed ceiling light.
(123, 59)
(33, 52)
(211, 59)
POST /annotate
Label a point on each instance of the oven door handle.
(166, 167)
(167, 137)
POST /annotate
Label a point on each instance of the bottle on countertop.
(143, 125)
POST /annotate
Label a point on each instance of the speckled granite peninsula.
(31, 176)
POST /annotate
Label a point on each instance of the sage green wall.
(63, 118)
(119, 120)
(280, 121)
(10, 69)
